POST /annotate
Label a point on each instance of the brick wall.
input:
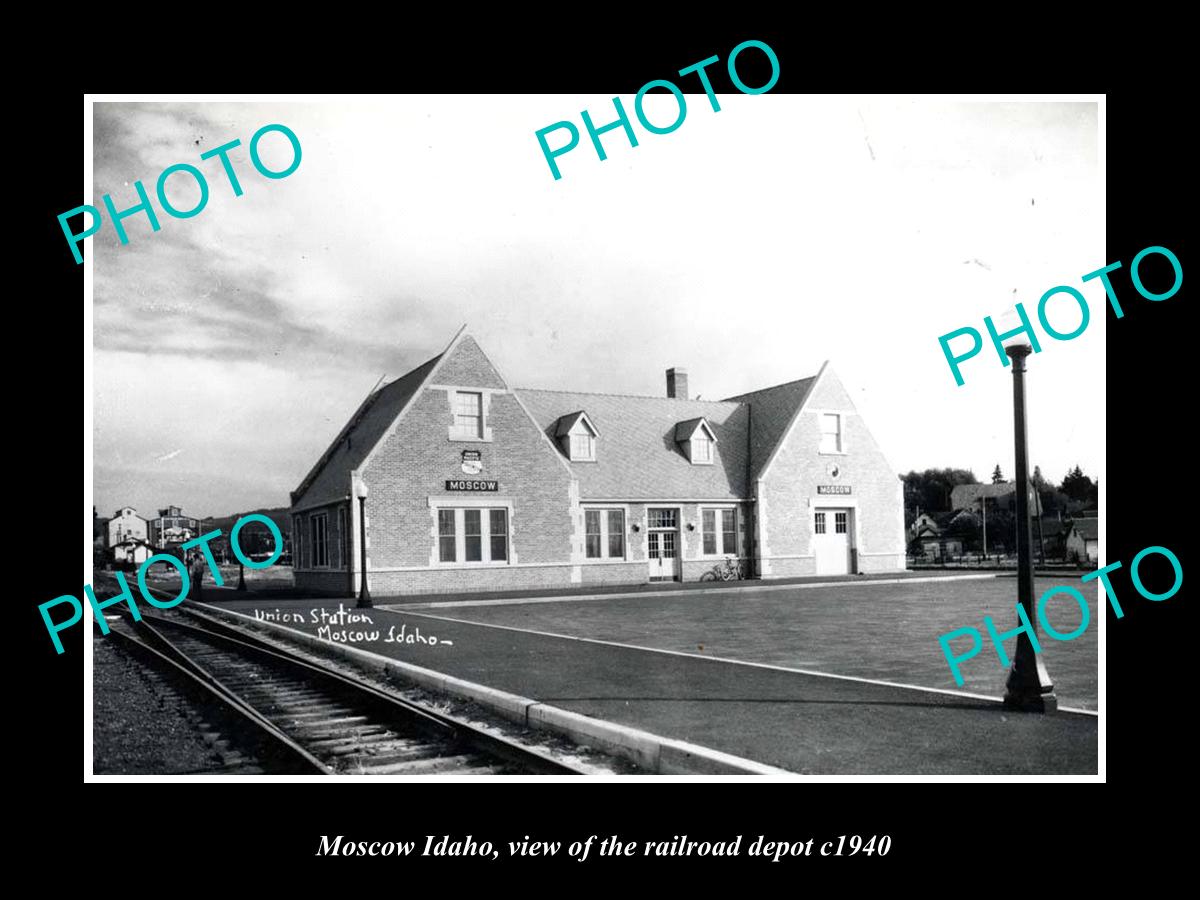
(408, 472)
(788, 494)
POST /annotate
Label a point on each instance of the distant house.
(1000, 497)
(928, 537)
(172, 528)
(1053, 536)
(1083, 540)
(126, 525)
(132, 550)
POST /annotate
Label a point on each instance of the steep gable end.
(772, 411)
(466, 365)
(328, 480)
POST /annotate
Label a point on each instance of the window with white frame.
(473, 535)
(319, 531)
(583, 443)
(468, 414)
(831, 433)
(839, 523)
(604, 533)
(819, 523)
(701, 447)
(719, 528)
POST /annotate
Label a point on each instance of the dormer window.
(583, 445)
(697, 440)
(577, 437)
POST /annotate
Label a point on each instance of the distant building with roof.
(125, 525)
(1083, 540)
(172, 528)
(471, 484)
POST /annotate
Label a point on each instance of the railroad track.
(301, 717)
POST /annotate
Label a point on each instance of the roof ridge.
(773, 387)
(622, 396)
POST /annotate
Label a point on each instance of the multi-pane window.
(468, 414)
(604, 533)
(319, 531)
(661, 518)
(583, 446)
(831, 433)
(616, 534)
(819, 524)
(594, 538)
(701, 447)
(498, 530)
(839, 523)
(473, 535)
(719, 527)
(447, 544)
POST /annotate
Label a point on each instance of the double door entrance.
(833, 530)
(662, 543)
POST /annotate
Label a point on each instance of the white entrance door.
(662, 538)
(831, 541)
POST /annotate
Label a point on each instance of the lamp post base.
(1030, 701)
(1029, 688)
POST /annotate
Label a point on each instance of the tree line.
(930, 491)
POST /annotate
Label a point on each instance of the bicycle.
(729, 570)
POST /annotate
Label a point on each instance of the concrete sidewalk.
(804, 723)
(659, 588)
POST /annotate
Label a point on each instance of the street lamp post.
(1028, 686)
(364, 593)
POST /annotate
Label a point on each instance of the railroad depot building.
(470, 484)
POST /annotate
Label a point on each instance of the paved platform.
(806, 723)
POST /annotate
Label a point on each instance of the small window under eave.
(577, 437)
(697, 440)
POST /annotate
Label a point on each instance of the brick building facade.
(472, 485)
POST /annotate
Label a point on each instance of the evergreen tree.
(997, 475)
(1079, 487)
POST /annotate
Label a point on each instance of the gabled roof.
(966, 495)
(639, 457)
(327, 481)
(687, 428)
(1088, 529)
(567, 422)
(772, 411)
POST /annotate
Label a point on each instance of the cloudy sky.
(748, 246)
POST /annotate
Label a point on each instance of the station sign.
(470, 484)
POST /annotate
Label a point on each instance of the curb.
(661, 755)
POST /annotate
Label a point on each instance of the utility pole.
(983, 504)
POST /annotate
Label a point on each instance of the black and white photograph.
(701, 432)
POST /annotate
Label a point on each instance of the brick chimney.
(677, 384)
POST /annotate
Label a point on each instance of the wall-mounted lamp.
(636, 527)
(691, 526)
